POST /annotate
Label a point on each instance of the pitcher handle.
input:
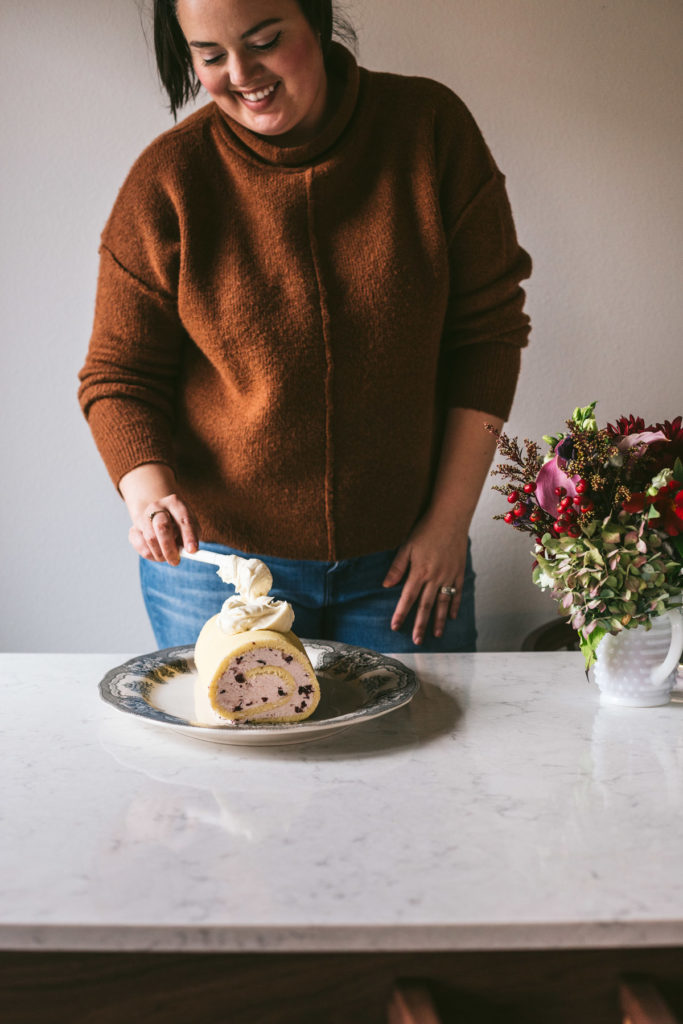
(660, 673)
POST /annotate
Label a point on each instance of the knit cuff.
(484, 377)
(128, 435)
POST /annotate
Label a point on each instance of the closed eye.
(259, 47)
(267, 46)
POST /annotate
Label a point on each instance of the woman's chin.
(273, 125)
(263, 124)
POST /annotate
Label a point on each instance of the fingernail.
(438, 632)
(191, 546)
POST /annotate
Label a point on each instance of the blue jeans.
(331, 600)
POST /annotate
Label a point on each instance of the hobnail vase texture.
(637, 667)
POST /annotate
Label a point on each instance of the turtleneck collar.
(342, 69)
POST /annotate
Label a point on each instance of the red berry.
(576, 499)
(534, 517)
(565, 503)
(558, 527)
(529, 488)
(518, 511)
(588, 507)
(513, 496)
(573, 531)
(509, 517)
(560, 491)
(581, 486)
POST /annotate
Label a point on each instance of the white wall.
(580, 103)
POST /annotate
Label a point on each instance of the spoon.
(211, 557)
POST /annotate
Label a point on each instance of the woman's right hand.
(161, 521)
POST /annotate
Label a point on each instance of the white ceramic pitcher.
(637, 667)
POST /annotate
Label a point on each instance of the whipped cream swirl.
(250, 577)
(250, 607)
(237, 616)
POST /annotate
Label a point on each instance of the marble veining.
(504, 807)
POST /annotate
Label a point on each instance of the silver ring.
(151, 515)
(448, 590)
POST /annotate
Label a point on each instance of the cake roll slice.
(256, 676)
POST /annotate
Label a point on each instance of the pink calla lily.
(551, 476)
(644, 437)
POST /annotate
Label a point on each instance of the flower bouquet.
(605, 508)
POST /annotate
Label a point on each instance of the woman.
(309, 305)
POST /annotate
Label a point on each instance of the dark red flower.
(636, 503)
(669, 503)
(673, 513)
(666, 452)
(624, 426)
(673, 429)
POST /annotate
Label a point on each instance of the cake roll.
(260, 675)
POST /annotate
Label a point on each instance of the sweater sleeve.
(128, 381)
(485, 326)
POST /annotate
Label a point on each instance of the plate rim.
(185, 652)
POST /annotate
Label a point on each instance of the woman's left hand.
(433, 558)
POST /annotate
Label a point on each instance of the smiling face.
(261, 62)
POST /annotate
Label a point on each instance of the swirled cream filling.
(254, 687)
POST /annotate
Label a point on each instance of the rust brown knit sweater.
(284, 327)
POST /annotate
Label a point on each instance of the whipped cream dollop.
(237, 616)
(250, 577)
(251, 607)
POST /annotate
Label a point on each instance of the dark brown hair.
(174, 60)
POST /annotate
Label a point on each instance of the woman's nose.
(242, 69)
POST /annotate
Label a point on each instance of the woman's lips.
(256, 100)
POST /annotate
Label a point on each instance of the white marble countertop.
(502, 809)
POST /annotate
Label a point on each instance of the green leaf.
(545, 565)
(678, 471)
(597, 557)
(589, 644)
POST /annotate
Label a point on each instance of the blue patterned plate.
(356, 685)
